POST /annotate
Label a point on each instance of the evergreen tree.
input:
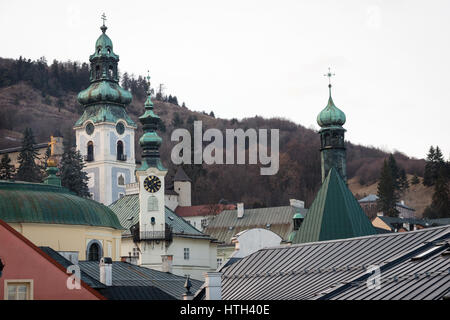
(211, 114)
(72, 175)
(6, 168)
(434, 163)
(28, 169)
(395, 172)
(177, 121)
(387, 192)
(440, 205)
(403, 181)
(415, 179)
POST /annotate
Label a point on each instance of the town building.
(229, 223)
(335, 213)
(370, 207)
(394, 266)
(201, 215)
(55, 143)
(105, 132)
(28, 273)
(156, 237)
(50, 215)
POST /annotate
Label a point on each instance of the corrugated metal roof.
(42, 203)
(127, 211)
(277, 219)
(126, 274)
(135, 293)
(334, 214)
(90, 281)
(310, 270)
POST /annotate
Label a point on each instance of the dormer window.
(99, 50)
(109, 51)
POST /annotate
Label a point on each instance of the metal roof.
(135, 293)
(127, 211)
(374, 198)
(128, 275)
(313, 270)
(25, 202)
(16, 149)
(226, 224)
(334, 214)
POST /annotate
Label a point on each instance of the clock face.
(152, 184)
(89, 128)
(120, 128)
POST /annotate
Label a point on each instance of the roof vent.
(240, 210)
(426, 253)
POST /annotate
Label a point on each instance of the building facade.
(105, 132)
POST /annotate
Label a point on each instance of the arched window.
(111, 72)
(152, 203)
(94, 251)
(120, 155)
(90, 151)
(97, 72)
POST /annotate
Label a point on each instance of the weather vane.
(103, 18)
(329, 75)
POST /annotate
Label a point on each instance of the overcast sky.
(245, 58)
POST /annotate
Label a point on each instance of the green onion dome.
(331, 115)
(104, 92)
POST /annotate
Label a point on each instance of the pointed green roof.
(334, 214)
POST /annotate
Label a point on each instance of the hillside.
(43, 97)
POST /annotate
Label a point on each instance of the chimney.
(166, 263)
(213, 285)
(296, 203)
(188, 295)
(240, 210)
(106, 271)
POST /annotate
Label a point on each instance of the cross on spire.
(103, 18)
(329, 75)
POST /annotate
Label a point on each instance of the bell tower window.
(90, 151)
(120, 155)
(111, 72)
(97, 72)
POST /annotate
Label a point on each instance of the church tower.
(105, 132)
(332, 147)
(150, 176)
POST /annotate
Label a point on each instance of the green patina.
(150, 141)
(334, 214)
(22, 202)
(104, 100)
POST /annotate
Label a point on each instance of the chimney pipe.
(213, 285)
(240, 210)
(106, 271)
(167, 260)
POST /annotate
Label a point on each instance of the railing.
(88, 157)
(151, 235)
(122, 157)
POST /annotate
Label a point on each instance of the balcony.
(165, 235)
(122, 157)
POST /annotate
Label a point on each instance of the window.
(186, 253)
(219, 262)
(120, 155)
(90, 151)
(110, 71)
(135, 252)
(97, 70)
(121, 180)
(152, 203)
(19, 290)
(94, 252)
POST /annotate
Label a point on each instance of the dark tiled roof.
(16, 149)
(277, 219)
(128, 275)
(327, 269)
(334, 214)
(127, 207)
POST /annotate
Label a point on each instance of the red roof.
(203, 210)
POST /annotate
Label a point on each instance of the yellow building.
(50, 215)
